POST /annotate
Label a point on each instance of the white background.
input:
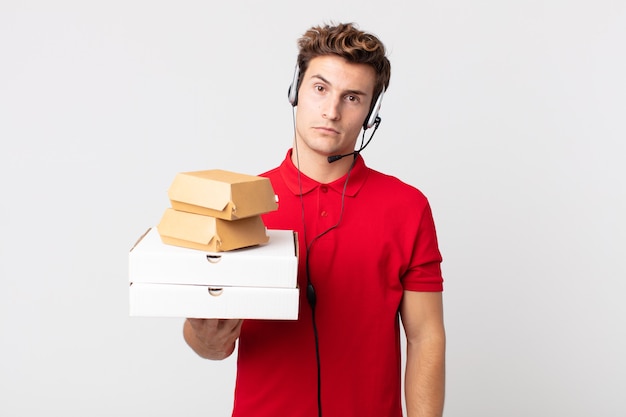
(508, 115)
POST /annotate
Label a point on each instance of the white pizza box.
(273, 264)
(201, 301)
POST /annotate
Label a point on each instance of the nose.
(332, 108)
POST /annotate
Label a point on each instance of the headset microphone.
(334, 158)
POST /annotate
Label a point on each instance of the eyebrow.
(352, 92)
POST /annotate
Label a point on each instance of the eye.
(319, 88)
(352, 98)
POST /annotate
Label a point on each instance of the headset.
(372, 118)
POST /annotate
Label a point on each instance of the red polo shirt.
(385, 243)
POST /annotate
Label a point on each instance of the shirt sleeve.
(424, 271)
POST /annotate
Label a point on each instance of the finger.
(237, 327)
(203, 325)
(230, 325)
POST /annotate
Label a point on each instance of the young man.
(368, 257)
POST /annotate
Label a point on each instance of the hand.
(212, 338)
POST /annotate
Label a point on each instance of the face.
(333, 101)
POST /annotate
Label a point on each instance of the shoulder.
(393, 188)
(271, 173)
(278, 170)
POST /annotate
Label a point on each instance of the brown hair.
(347, 41)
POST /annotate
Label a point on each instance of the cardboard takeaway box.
(222, 194)
(257, 282)
(272, 265)
(200, 301)
(208, 233)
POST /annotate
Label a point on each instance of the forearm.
(425, 377)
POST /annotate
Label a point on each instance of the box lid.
(273, 264)
(223, 194)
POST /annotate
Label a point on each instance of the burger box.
(258, 282)
(210, 234)
(222, 194)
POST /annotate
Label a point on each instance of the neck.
(317, 167)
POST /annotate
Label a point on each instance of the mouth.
(326, 130)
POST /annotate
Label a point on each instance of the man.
(368, 256)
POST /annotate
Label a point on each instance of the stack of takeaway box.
(211, 255)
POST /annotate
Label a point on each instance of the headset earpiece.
(371, 118)
(293, 88)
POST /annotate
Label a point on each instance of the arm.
(212, 338)
(422, 317)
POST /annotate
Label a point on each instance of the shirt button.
(324, 213)
(324, 189)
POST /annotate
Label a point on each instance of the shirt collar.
(298, 181)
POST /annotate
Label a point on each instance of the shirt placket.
(327, 210)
